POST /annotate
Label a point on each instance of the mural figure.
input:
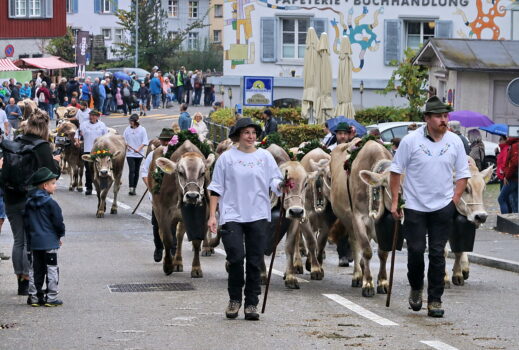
(483, 20)
(241, 53)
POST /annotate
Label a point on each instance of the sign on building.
(258, 91)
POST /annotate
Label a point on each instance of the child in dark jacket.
(44, 228)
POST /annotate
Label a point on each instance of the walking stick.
(391, 271)
(282, 214)
(140, 200)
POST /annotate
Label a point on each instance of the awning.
(51, 62)
(7, 65)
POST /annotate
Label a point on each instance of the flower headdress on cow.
(100, 153)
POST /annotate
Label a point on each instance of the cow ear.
(487, 173)
(312, 175)
(116, 154)
(166, 165)
(87, 158)
(210, 160)
(320, 165)
(372, 179)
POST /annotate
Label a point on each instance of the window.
(193, 9)
(173, 8)
(218, 11)
(119, 36)
(172, 35)
(107, 33)
(70, 6)
(34, 8)
(106, 6)
(21, 8)
(217, 36)
(294, 37)
(192, 41)
(418, 32)
(30, 8)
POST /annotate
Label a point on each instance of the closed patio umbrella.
(344, 86)
(311, 81)
(324, 104)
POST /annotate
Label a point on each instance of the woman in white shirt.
(199, 125)
(136, 139)
(240, 186)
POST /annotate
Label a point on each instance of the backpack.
(20, 163)
(41, 97)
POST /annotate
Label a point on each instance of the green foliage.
(224, 116)
(358, 147)
(211, 57)
(63, 46)
(288, 114)
(412, 79)
(382, 114)
(309, 147)
(294, 135)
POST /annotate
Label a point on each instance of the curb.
(496, 263)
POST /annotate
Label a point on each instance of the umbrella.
(470, 119)
(311, 81)
(361, 129)
(324, 104)
(496, 129)
(122, 76)
(344, 86)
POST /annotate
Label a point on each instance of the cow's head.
(379, 194)
(294, 203)
(192, 174)
(102, 163)
(65, 133)
(321, 183)
(471, 203)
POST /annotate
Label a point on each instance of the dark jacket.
(62, 93)
(512, 159)
(72, 86)
(465, 142)
(143, 93)
(477, 152)
(43, 221)
(43, 154)
(271, 126)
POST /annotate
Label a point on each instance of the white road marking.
(274, 271)
(438, 345)
(360, 310)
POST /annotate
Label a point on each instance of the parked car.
(390, 130)
(95, 74)
(141, 73)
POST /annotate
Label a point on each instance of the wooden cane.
(391, 271)
(282, 214)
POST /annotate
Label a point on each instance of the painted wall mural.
(241, 52)
(484, 20)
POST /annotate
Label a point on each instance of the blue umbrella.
(496, 129)
(122, 76)
(333, 122)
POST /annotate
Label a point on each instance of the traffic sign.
(9, 51)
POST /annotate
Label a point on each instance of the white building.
(267, 37)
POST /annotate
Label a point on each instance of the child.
(65, 101)
(44, 227)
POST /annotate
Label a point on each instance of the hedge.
(294, 135)
(382, 114)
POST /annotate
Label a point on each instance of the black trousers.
(343, 248)
(134, 165)
(437, 225)
(156, 236)
(89, 169)
(244, 240)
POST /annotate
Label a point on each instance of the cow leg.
(178, 266)
(368, 288)
(117, 186)
(72, 176)
(302, 247)
(446, 279)
(460, 270)
(316, 273)
(465, 265)
(196, 268)
(382, 282)
(298, 263)
(101, 204)
(322, 238)
(356, 280)
(80, 178)
(167, 234)
(207, 250)
(290, 246)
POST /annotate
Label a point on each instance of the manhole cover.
(150, 287)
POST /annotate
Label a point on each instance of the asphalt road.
(326, 314)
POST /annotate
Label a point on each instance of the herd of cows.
(326, 202)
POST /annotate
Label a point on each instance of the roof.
(471, 54)
(7, 65)
(51, 62)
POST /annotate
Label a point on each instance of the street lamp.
(222, 92)
(229, 93)
(361, 90)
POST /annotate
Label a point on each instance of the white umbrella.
(344, 86)
(324, 105)
(311, 81)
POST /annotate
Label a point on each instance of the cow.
(108, 169)
(72, 154)
(28, 107)
(64, 113)
(182, 203)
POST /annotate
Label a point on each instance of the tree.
(412, 80)
(155, 43)
(63, 46)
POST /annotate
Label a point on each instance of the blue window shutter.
(12, 8)
(97, 6)
(115, 5)
(49, 9)
(75, 6)
(443, 29)
(392, 40)
(268, 39)
(319, 25)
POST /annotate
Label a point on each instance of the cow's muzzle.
(192, 197)
(296, 212)
(480, 217)
(103, 173)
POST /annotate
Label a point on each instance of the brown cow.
(28, 107)
(72, 154)
(107, 170)
(182, 201)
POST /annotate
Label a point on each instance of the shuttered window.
(31, 8)
(268, 39)
(293, 37)
(392, 40)
(443, 29)
(72, 6)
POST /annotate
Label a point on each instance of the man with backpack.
(196, 80)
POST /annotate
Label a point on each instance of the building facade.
(268, 36)
(216, 22)
(26, 26)
(182, 13)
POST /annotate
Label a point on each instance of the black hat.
(166, 134)
(42, 175)
(134, 118)
(95, 112)
(435, 106)
(242, 124)
(343, 126)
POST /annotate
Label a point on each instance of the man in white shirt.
(83, 113)
(90, 131)
(429, 157)
(4, 123)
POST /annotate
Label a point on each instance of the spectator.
(395, 142)
(188, 87)
(95, 93)
(142, 95)
(15, 91)
(196, 82)
(83, 114)
(184, 121)
(156, 90)
(126, 94)
(72, 86)
(86, 91)
(509, 193)
(328, 136)
(4, 126)
(180, 77)
(109, 97)
(53, 100)
(43, 94)
(207, 88)
(136, 139)
(455, 127)
(167, 95)
(14, 114)
(412, 127)
(199, 125)
(477, 148)
(375, 132)
(216, 106)
(73, 102)
(102, 95)
(271, 125)
(62, 91)
(5, 93)
(25, 91)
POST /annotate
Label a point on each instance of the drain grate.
(150, 287)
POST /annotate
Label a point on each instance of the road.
(327, 314)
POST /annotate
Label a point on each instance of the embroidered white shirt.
(90, 132)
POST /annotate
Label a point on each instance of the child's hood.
(37, 198)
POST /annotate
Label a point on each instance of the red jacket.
(501, 160)
(512, 159)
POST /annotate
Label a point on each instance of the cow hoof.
(71, 188)
(368, 292)
(178, 267)
(291, 283)
(465, 274)
(356, 283)
(458, 280)
(447, 284)
(197, 273)
(263, 279)
(381, 289)
(80, 189)
(317, 275)
(168, 269)
(113, 211)
(100, 215)
(206, 252)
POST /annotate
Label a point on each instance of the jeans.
(180, 94)
(234, 234)
(155, 100)
(134, 164)
(127, 106)
(198, 95)
(437, 226)
(19, 255)
(508, 198)
(107, 105)
(101, 104)
(14, 123)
